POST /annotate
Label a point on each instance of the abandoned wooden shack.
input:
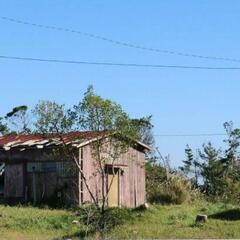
(31, 171)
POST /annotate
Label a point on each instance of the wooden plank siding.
(14, 178)
(131, 178)
(47, 184)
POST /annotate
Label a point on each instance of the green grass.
(178, 221)
(35, 223)
(169, 221)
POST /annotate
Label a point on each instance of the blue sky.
(181, 101)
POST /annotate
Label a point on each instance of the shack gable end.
(131, 182)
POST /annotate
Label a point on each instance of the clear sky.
(181, 101)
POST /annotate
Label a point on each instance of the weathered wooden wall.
(14, 180)
(131, 177)
(131, 181)
(19, 184)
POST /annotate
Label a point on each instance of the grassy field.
(179, 222)
(34, 223)
(170, 221)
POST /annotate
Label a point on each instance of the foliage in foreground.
(159, 221)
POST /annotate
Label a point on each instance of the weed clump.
(175, 190)
(102, 222)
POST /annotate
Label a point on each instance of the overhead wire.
(125, 44)
(117, 42)
(191, 135)
(114, 64)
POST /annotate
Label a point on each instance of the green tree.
(114, 132)
(233, 142)
(219, 169)
(3, 127)
(51, 117)
(212, 170)
(186, 169)
(155, 176)
(18, 120)
(144, 129)
(191, 166)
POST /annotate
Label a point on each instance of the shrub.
(103, 222)
(175, 190)
(155, 176)
(231, 192)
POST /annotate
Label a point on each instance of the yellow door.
(113, 190)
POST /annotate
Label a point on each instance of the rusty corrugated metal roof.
(40, 140)
(77, 139)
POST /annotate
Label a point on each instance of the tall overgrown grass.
(174, 190)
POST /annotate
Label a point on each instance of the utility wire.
(120, 43)
(190, 135)
(114, 64)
